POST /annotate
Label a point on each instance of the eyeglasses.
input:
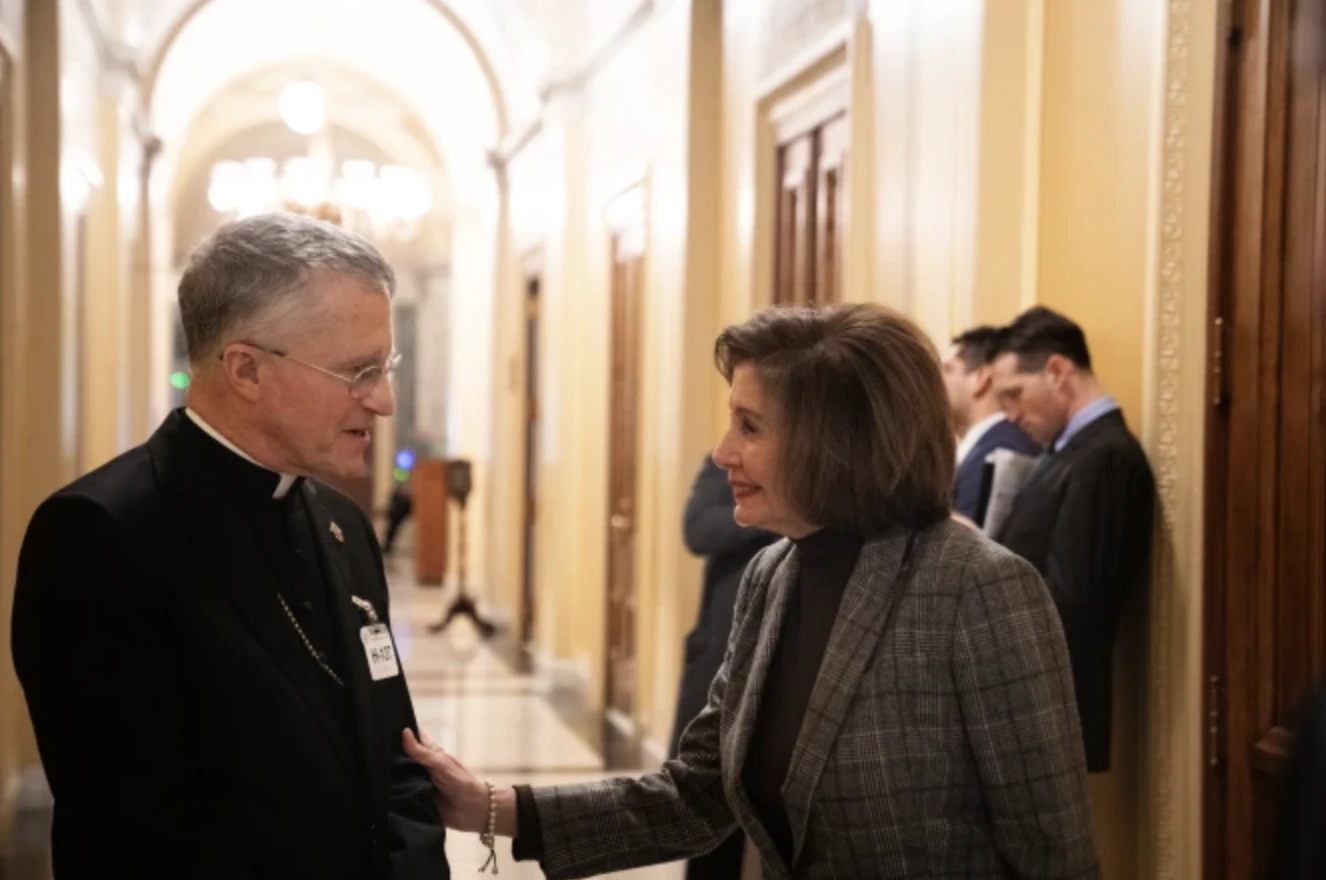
(361, 384)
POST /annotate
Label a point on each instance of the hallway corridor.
(566, 203)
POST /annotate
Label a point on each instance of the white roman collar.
(282, 487)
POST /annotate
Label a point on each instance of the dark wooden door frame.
(627, 257)
(1246, 736)
(809, 232)
(533, 283)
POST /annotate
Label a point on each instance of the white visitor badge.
(380, 650)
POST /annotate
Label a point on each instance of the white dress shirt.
(975, 433)
(286, 481)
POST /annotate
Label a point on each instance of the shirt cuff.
(528, 843)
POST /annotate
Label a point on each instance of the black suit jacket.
(1300, 852)
(971, 470)
(185, 729)
(1084, 520)
(710, 530)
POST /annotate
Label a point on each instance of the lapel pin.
(367, 607)
(337, 533)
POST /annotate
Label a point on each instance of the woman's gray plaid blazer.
(947, 746)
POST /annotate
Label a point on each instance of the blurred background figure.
(711, 531)
(398, 510)
(1300, 852)
(978, 419)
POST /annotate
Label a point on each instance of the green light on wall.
(179, 379)
(402, 475)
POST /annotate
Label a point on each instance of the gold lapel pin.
(337, 533)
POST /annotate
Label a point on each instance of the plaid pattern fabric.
(946, 747)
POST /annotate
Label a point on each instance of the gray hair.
(254, 270)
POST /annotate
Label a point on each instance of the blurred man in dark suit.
(1084, 516)
(711, 531)
(978, 418)
(1300, 852)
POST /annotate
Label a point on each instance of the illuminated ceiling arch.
(437, 56)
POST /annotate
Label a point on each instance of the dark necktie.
(1042, 462)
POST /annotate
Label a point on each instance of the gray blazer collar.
(856, 633)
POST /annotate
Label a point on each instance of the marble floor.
(504, 726)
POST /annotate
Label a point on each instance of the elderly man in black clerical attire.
(201, 628)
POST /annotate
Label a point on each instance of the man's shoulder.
(1110, 445)
(117, 502)
(120, 485)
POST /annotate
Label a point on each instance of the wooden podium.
(429, 500)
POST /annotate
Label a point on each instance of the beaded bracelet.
(489, 836)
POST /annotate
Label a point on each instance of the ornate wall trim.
(789, 27)
(1176, 369)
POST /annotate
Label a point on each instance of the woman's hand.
(464, 798)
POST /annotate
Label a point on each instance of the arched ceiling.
(355, 103)
(193, 217)
(404, 44)
(511, 38)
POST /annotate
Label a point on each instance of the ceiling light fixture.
(303, 107)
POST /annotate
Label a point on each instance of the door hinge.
(1218, 334)
(1215, 717)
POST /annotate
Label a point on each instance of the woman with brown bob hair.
(896, 699)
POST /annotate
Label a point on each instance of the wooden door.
(527, 600)
(809, 216)
(830, 216)
(428, 492)
(794, 275)
(623, 427)
(360, 488)
(1266, 481)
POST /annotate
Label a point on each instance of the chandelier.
(384, 201)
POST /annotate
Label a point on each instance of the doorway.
(1266, 454)
(623, 468)
(527, 598)
(810, 214)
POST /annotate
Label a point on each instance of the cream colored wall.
(1104, 66)
(602, 142)
(39, 418)
(475, 382)
(1008, 160)
(547, 205)
(97, 143)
